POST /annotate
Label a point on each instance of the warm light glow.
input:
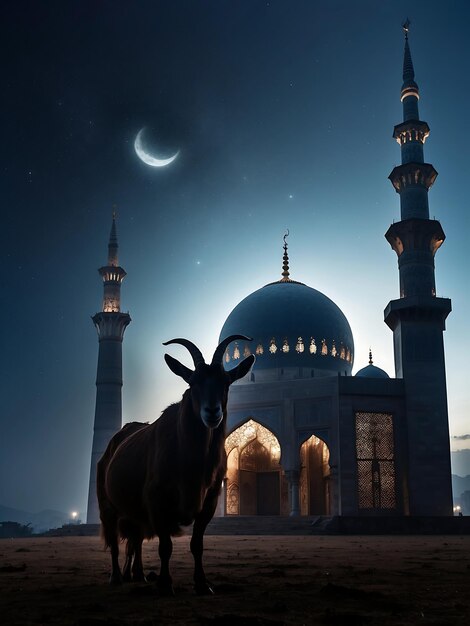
(409, 92)
(342, 352)
(74, 515)
(240, 437)
(300, 345)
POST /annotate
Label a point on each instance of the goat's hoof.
(115, 579)
(139, 578)
(165, 588)
(203, 589)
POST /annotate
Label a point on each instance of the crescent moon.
(148, 158)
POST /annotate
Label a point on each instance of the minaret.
(417, 318)
(110, 324)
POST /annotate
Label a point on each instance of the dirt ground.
(258, 581)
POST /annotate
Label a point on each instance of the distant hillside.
(460, 484)
(39, 521)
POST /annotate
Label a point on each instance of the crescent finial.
(406, 27)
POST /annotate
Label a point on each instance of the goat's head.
(209, 383)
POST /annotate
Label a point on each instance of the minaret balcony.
(412, 130)
(417, 308)
(403, 176)
(112, 273)
(415, 234)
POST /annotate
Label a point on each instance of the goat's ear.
(242, 369)
(178, 368)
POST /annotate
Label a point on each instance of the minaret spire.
(412, 181)
(113, 244)
(417, 318)
(113, 274)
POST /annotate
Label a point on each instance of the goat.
(167, 474)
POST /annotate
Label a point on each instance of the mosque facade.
(305, 436)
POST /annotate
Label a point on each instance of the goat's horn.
(193, 350)
(219, 351)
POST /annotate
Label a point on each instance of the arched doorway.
(314, 477)
(255, 483)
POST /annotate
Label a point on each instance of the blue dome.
(292, 325)
(371, 371)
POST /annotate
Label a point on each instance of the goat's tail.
(108, 515)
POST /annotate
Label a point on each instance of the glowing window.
(333, 350)
(299, 346)
(324, 347)
(273, 347)
(227, 357)
(236, 352)
(249, 447)
(259, 349)
(249, 431)
(313, 346)
(246, 351)
(285, 346)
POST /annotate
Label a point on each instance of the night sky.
(283, 113)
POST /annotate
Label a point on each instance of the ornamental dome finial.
(285, 261)
(406, 27)
(371, 362)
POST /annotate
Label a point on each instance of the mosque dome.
(371, 371)
(292, 325)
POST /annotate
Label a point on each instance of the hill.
(39, 521)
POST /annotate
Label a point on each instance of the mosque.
(304, 436)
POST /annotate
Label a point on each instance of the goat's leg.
(165, 548)
(201, 585)
(126, 571)
(137, 567)
(110, 533)
(116, 576)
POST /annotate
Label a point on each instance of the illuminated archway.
(255, 483)
(314, 477)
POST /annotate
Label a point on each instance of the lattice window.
(375, 461)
